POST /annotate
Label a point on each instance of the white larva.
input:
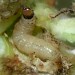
(28, 44)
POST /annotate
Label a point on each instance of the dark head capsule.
(28, 13)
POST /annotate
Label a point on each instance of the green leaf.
(6, 49)
(64, 4)
(64, 29)
(6, 23)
